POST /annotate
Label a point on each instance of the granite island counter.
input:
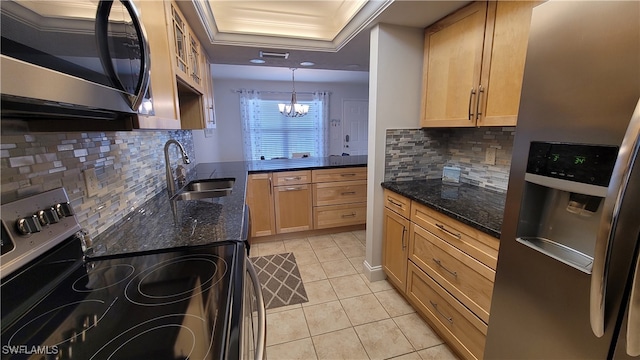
(156, 224)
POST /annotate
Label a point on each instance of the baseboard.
(373, 273)
(303, 234)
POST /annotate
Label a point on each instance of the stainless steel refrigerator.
(568, 259)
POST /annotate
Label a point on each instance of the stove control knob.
(64, 210)
(29, 225)
(48, 216)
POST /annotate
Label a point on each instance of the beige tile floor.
(347, 317)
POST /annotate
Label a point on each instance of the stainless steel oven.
(198, 302)
(72, 59)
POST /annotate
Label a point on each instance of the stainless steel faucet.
(171, 186)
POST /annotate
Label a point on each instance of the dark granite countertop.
(310, 163)
(477, 207)
(156, 224)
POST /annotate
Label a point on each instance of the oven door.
(254, 317)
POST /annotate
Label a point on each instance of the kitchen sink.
(211, 184)
(205, 189)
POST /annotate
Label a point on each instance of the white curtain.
(321, 99)
(250, 110)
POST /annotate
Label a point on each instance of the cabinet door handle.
(292, 188)
(270, 186)
(292, 178)
(441, 227)
(478, 112)
(395, 203)
(439, 263)
(348, 193)
(448, 318)
(345, 175)
(348, 215)
(473, 92)
(404, 245)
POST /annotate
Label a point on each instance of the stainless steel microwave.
(77, 59)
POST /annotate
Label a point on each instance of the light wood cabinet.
(446, 270)
(463, 276)
(462, 330)
(339, 197)
(395, 232)
(187, 52)
(162, 83)
(473, 65)
(260, 202)
(292, 201)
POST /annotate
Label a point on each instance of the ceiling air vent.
(274, 55)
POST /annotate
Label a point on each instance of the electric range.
(58, 303)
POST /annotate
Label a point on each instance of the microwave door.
(123, 49)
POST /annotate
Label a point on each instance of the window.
(270, 135)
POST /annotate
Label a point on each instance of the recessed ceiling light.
(307, 63)
(257, 61)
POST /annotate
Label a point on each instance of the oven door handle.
(262, 313)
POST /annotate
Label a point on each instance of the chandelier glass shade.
(293, 109)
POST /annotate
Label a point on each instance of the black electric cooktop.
(153, 305)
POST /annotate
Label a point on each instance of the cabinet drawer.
(340, 174)
(463, 276)
(291, 178)
(397, 203)
(343, 192)
(339, 215)
(479, 245)
(464, 331)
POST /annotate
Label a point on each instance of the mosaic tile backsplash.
(413, 154)
(130, 168)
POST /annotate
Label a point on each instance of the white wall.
(225, 144)
(395, 75)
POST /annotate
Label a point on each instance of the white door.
(355, 122)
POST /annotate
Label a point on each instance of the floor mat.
(280, 279)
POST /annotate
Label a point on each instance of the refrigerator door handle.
(611, 211)
(633, 322)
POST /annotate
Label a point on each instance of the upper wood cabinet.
(162, 85)
(473, 65)
(187, 52)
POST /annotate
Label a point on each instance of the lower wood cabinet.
(445, 269)
(290, 201)
(293, 208)
(395, 230)
(461, 328)
(260, 202)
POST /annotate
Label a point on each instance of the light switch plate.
(490, 156)
(91, 182)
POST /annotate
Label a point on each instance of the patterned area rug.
(280, 279)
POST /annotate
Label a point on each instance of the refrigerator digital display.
(589, 164)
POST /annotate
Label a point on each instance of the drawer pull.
(345, 175)
(292, 178)
(349, 215)
(292, 188)
(435, 306)
(441, 227)
(348, 193)
(395, 203)
(454, 273)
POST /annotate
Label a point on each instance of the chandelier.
(293, 109)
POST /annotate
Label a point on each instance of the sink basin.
(211, 184)
(205, 189)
